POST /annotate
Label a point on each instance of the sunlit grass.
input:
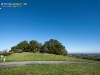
(62, 69)
(42, 57)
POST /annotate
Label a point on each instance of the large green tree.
(54, 47)
(34, 46)
(24, 46)
(46, 47)
(21, 47)
(14, 49)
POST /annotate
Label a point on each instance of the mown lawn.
(42, 57)
(62, 69)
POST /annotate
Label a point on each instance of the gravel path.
(25, 63)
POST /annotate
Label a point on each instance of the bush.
(90, 58)
(98, 59)
(6, 54)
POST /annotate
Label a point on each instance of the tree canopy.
(52, 46)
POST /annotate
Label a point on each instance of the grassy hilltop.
(41, 57)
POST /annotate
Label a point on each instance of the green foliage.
(19, 50)
(23, 45)
(14, 49)
(34, 46)
(52, 46)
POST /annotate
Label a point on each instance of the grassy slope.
(42, 57)
(62, 69)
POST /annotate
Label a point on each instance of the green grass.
(42, 57)
(62, 69)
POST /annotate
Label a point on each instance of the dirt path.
(25, 63)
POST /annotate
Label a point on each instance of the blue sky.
(74, 23)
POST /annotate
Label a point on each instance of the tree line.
(52, 46)
(87, 56)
